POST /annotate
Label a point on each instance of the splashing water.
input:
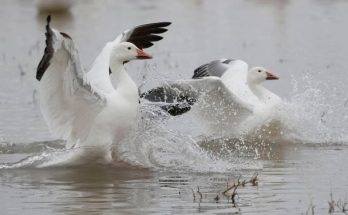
(314, 114)
(154, 145)
(150, 144)
(309, 116)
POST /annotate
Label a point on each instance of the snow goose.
(225, 93)
(84, 107)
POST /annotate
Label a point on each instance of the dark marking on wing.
(143, 36)
(110, 71)
(176, 109)
(201, 72)
(48, 53)
(215, 68)
(228, 61)
(176, 102)
(65, 35)
(168, 95)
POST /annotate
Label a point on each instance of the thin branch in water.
(234, 193)
(194, 195)
(217, 198)
(254, 180)
(200, 194)
(310, 209)
(331, 204)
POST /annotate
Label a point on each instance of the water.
(165, 160)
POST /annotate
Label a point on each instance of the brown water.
(304, 42)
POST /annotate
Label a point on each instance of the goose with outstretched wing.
(84, 107)
(224, 92)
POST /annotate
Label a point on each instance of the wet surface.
(305, 176)
(303, 42)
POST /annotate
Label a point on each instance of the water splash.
(150, 144)
(314, 114)
(154, 145)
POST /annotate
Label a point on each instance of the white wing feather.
(102, 63)
(235, 79)
(216, 104)
(68, 102)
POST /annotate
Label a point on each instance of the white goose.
(226, 94)
(84, 107)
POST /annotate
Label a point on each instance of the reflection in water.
(286, 185)
(84, 189)
(99, 188)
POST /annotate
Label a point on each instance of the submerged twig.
(200, 194)
(253, 179)
(310, 209)
(234, 193)
(341, 205)
(217, 198)
(194, 195)
(331, 204)
(231, 191)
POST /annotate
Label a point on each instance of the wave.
(33, 147)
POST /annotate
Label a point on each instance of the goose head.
(257, 75)
(125, 52)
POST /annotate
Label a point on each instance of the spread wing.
(213, 100)
(142, 36)
(68, 101)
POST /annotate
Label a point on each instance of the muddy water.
(304, 42)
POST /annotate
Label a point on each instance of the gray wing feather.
(215, 68)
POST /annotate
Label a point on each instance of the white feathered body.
(87, 115)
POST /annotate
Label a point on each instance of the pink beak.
(143, 55)
(270, 76)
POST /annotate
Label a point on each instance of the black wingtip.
(143, 36)
(48, 19)
(48, 53)
(164, 24)
(200, 72)
(48, 23)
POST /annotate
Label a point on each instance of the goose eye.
(129, 48)
(259, 70)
